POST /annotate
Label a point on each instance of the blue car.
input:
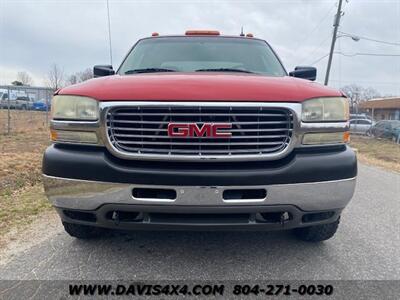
(40, 106)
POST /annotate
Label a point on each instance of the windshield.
(190, 54)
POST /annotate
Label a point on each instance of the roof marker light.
(202, 32)
(155, 34)
(250, 35)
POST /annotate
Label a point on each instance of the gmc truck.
(200, 132)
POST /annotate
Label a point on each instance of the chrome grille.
(142, 130)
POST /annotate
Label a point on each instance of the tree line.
(55, 78)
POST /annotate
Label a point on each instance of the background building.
(382, 108)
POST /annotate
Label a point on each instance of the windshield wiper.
(148, 70)
(224, 70)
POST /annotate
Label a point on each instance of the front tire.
(317, 233)
(82, 231)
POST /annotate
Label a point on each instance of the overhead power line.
(367, 54)
(316, 26)
(370, 39)
(316, 48)
(356, 54)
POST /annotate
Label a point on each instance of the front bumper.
(89, 186)
(91, 195)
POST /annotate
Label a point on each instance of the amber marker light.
(202, 32)
(53, 135)
(346, 137)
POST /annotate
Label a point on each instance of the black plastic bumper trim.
(96, 164)
(225, 218)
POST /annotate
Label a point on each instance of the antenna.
(241, 32)
(109, 31)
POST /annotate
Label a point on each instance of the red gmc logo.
(192, 129)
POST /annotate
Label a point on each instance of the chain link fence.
(24, 108)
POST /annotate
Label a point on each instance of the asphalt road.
(367, 246)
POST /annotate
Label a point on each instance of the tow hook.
(284, 217)
(115, 217)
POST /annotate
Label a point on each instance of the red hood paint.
(199, 87)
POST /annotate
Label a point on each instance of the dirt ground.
(21, 192)
(377, 152)
(22, 121)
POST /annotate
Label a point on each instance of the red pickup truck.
(200, 131)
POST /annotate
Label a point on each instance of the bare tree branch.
(80, 76)
(55, 77)
(24, 78)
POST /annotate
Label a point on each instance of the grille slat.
(166, 122)
(199, 114)
(200, 137)
(257, 131)
(180, 151)
(194, 143)
(231, 130)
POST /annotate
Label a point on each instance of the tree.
(55, 77)
(24, 78)
(80, 76)
(16, 82)
(85, 74)
(357, 94)
(72, 79)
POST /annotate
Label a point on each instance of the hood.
(199, 87)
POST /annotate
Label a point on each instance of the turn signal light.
(53, 135)
(80, 137)
(326, 138)
(346, 137)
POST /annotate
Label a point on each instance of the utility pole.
(335, 30)
(109, 31)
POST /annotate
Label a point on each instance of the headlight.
(325, 109)
(74, 108)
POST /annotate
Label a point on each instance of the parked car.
(360, 126)
(389, 129)
(360, 116)
(200, 131)
(20, 102)
(3, 100)
(40, 105)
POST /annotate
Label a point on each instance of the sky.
(34, 34)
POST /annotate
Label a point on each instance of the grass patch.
(377, 152)
(21, 159)
(21, 193)
(21, 207)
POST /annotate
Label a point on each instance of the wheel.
(82, 231)
(317, 233)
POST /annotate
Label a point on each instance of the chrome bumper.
(90, 195)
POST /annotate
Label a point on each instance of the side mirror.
(309, 73)
(103, 70)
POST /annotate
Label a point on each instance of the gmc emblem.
(210, 130)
